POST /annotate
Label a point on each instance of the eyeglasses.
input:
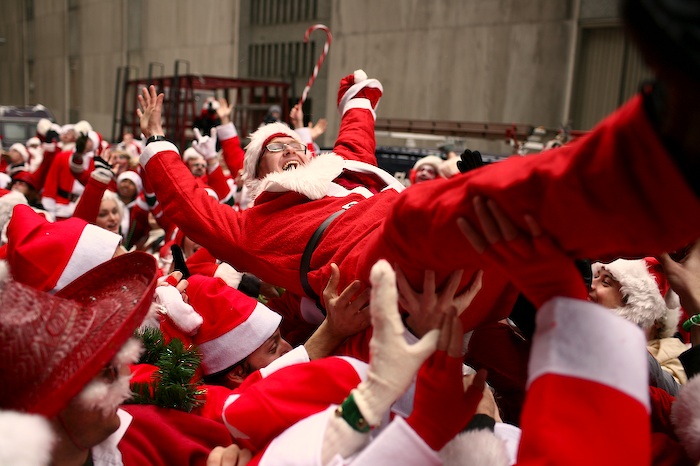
(279, 146)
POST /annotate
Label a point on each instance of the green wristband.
(352, 415)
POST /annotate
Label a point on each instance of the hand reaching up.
(530, 259)
(150, 112)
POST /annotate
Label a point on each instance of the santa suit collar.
(315, 178)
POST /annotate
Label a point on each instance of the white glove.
(393, 362)
(205, 145)
(179, 312)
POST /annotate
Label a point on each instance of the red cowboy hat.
(54, 345)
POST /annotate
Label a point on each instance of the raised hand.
(150, 112)
(426, 308)
(205, 145)
(393, 362)
(530, 259)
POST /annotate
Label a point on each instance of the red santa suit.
(596, 197)
(158, 436)
(587, 402)
(61, 188)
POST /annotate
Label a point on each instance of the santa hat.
(24, 176)
(49, 256)
(33, 141)
(54, 345)
(21, 149)
(261, 138)
(234, 324)
(433, 160)
(133, 177)
(82, 127)
(66, 128)
(43, 126)
(96, 139)
(190, 153)
(211, 105)
(684, 415)
(643, 303)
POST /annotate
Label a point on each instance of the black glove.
(51, 136)
(469, 161)
(80, 144)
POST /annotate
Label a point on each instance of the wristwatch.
(155, 138)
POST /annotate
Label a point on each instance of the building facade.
(539, 62)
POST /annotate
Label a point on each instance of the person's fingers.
(408, 298)
(429, 283)
(667, 263)
(451, 287)
(197, 135)
(182, 285)
(507, 229)
(331, 289)
(463, 301)
(475, 391)
(533, 225)
(456, 338)
(489, 226)
(215, 456)
(346, 295)
(361, 302)
(446, 331)
(474, 236)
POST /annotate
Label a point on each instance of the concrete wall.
(469, 60)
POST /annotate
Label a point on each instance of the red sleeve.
(51, 179)
(159, 436)
(88, 206)
(42, 172)
(217, 181)
(356, 139)
(233, 154)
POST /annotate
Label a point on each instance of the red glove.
(441, 407)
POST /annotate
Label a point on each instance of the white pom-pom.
(25, 439)
(360, 76)
(43, 126)
(82, 127)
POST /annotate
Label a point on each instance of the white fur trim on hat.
(686, 419)
(33, 141)
(25, 439)
(190, 153)
(21, 149)
(643, 303)
(133, 177)
(95, 246)
(254, 149)
(238, 343)
(82, 127)
(43, 126)
(433, 160)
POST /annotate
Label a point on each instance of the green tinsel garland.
(172, 386)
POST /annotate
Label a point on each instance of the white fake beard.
(108, 396)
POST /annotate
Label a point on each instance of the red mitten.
(441, 407)
(357, 91)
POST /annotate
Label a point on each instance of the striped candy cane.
(326, 46)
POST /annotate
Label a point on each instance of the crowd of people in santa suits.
(543, 309)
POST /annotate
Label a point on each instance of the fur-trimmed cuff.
(227, 131)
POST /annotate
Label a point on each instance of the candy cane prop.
(326, 46)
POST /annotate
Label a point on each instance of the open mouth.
(290, 165)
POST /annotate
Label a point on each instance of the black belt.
(66, 195)
(308, 252)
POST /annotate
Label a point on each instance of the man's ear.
(237, 375)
